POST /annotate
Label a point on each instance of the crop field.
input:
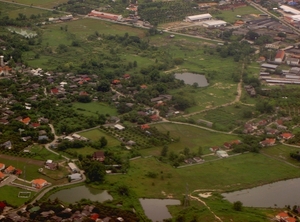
(10, 195)
(239, 172)
(96, 134)
(282, 152)
(45, 3)
(230, 17)
(94, 108)
(191, 137)
(225, 118)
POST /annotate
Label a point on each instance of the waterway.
(191, 78)
(278, 194)
(75, 194)
(156, 209)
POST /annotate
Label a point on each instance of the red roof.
(54, 91)
(154, 117)
(39, 183)
(2, 204)
(2, 175)
(83, 93)
(286, 135)
(18, 172)
(144, 86)
(9, 169)
(115, 81)
(126, 76)
(26, 120)
(35, 125)
(94, 216)
(145, 126)
(279, 54)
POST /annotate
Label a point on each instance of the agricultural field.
(226, 118)
(45, 3)
(94, 108)
(96, 134)
(282, 153)
(230, 16)
(239, 172)
(189, 136)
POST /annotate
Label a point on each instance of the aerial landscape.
(157, 110)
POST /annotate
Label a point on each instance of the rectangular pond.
(156, 209)
(192, 78)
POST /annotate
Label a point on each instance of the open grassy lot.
(96, 134)
(230, 16)
(191, 137)
(43, 154)
(13, 11)
(225, 118)
(83, 151)
(45, 3)
(246, 170)
(94, 108)
(282, 152)
(10, 195)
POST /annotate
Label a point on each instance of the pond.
(24, 32)
(156, 209)
(75, 194)
(191, 78)
(277, 194)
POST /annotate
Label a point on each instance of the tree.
(104, 86)
(186, 151)
(238, 206)
(200, 151)
(164, 151)
(95, 171)
(103, 141)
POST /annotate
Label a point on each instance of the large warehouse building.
(288, 9)
(197, 18)
(105, 15)
(214, 23)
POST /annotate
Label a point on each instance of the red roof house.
(286, 136)
(144, 86)
(2, 166)
(145, 126)
(116, 81)
(9, 169)
(35, 125)
(279, 56)
(2, 175)
(39, 183)
(268, 142)
(54, 91)
(26, 120)
(99, 156)
(126, 76)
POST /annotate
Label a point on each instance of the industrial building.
(214, 23)
(288, 9)
(197, 18)
(105, 15)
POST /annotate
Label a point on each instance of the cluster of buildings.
(85, 213)
(206, 20)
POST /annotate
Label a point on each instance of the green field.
(96, 134)
(43, 154)
(239, 172)
(45, 3)
(191, 137)
(230, 16)
(282, 153)
(10, 195)
(225, 118)
(94, 108)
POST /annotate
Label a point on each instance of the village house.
(268, 142)
(284, 217)
(39, 183)
(7, 145)
(2, 175)
(75, 176)
(222, 154)
(286, 136)
(50, 165)
(99, 156)
(9, 170)
(73, 167)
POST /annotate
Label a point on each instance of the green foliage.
(103, 141)
(238, 206)
(94, 171)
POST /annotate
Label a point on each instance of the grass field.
(10, 195)
(94, 108)
(282, 152)
(191, 137)
(45, 3)
(43, 154)
(96, 134)
(239, 172)
(225, 118)
(230, 16)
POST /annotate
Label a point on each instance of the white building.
(214, 23)
(119, 127)
(75, 176)
(197, 18)
(73, 167)
(289, 9)
(222, 153)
